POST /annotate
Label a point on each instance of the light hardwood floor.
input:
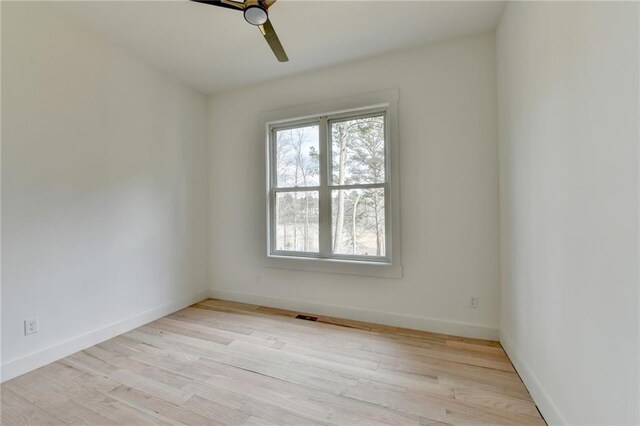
(220, 362)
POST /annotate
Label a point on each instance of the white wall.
(104, 186)
(449, 191)
(568, 113)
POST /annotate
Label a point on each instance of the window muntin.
(338, 168)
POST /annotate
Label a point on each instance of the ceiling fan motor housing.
(256, 14)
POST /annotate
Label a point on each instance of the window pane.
(297, 225)
(297, 159)
(357, 151)
(358, 222)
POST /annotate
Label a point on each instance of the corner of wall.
(543, 401)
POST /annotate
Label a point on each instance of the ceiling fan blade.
(274, 42)
(223, 3)
(268, 3)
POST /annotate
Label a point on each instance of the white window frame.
(381, 103)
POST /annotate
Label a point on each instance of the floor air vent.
(306, 317)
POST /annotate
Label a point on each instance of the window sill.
(334, 266)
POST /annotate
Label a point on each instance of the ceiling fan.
(255, 13)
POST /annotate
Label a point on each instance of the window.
(330, 189)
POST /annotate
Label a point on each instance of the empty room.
(295, 212)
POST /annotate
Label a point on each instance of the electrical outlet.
(473, 302)
(31, 326)
(258, 280)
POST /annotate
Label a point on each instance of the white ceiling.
(213, 49)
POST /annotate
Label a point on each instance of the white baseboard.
(539, 395)
(29, 362)
(386, 318)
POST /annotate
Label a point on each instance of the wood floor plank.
(159, 408)
(226, 363)
(17, 410)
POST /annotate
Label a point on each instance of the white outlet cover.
(31, 326)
